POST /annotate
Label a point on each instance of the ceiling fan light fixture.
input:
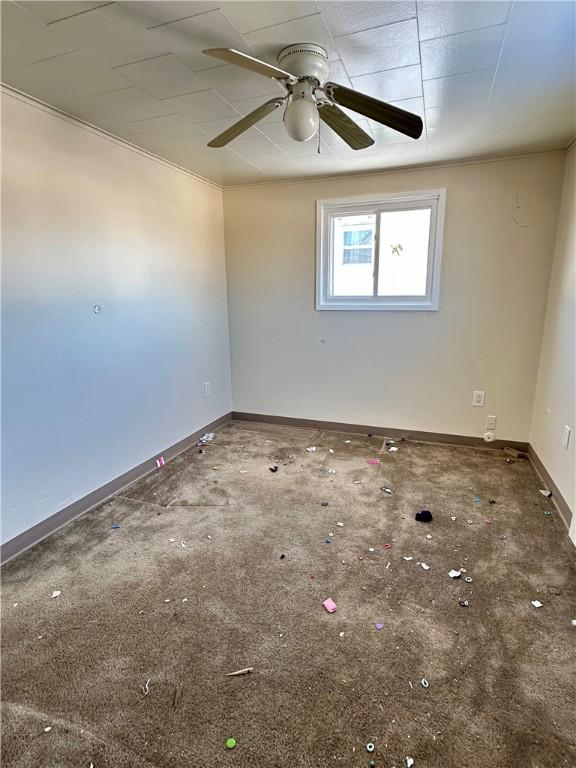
(301, 117)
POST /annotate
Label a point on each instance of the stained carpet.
(220, 564)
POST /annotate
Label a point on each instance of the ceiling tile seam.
(55, 56)
(271, 26)
(377, 26)
(184, 18)
(425, 121)
(496, 69)
(382, 71)
(456, 74)
(333, 41)
(142, 61)
(464, 32)
(107, 135)
(79, 13)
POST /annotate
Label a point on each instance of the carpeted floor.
(193, 585)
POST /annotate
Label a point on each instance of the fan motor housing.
(305, 60)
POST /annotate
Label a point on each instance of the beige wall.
(554, 405)
(87, 396)
(411, 370)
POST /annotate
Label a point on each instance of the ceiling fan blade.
(344, 126)
(246, 122)
(230, 56)
(393, 117)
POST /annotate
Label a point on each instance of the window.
(380, 253)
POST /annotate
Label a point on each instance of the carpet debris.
(454, 574)
(537, 603)
(274, 468)
(245, 671)
(146, 688)
(425, 516)
(56, 593)
(329, 604)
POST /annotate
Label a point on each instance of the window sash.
(328, 210)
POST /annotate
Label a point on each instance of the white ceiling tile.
(168, 127)
(274, 131)
(212, 128)
(157, 144)
(464, 52)
(267, 43)
(344, 18)
(459, 89)
(203, 106)
(25, 38)
(392, 85)
(152, 14)
(253, 146)
(52, 11)
(78, 74)
(188, 38)
(116, 124)
(220, 165)
(337, 74)
(541, 22)
(449, 120)
(389, 157)
(235, 83)
(130, 104)
(437, 18)
(389, 47)
(276, 162)
(163, 76)
(249, 16)
(111, 32)
(303, 148)
(245, 106)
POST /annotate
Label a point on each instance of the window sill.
(378, 306)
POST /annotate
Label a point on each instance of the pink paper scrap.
(160, 462)
(373, 461)
(329, 604)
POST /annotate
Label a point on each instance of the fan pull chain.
(318, 138)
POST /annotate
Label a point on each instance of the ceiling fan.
(309, 99)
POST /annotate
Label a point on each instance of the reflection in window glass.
(403, 252)
(353, 266)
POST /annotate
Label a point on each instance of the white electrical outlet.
(207, 389)
(478, 398)
(491, 422)
(566, 432)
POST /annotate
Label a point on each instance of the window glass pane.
(404, 238)
(357, 256)
(357, 236)
(352, 267)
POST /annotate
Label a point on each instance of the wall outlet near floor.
(207, 388)
(566, 432)
(490, 422)
(478, 398)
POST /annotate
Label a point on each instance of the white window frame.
(435, 199)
